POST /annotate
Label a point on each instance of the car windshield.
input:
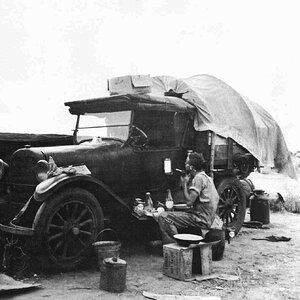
(113, 125)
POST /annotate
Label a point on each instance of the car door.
(165, 131)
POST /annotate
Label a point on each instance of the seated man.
(202, 198)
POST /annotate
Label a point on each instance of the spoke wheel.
(68, 225)
(232, 203)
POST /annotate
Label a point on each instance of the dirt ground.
(263, 269)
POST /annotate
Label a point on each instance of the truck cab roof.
(129, 102)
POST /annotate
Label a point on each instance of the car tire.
(66, 225)
(232, 203)
(248, 188)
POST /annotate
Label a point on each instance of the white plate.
(188, 237)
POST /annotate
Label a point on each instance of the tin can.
(138, 204)
(113, 275)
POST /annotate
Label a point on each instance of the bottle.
(169, 200)
(188, 153)
(148, 202)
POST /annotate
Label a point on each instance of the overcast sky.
(54, 51)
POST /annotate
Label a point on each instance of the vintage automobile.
(124, 146)
(12, 141)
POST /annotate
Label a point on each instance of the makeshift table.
(181, 262)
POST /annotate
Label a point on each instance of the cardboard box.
(130, 84)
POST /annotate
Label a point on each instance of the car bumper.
(17, 230)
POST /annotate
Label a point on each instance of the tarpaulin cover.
(223, 110)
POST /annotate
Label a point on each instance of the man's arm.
(190, 195)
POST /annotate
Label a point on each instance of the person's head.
(196, 162)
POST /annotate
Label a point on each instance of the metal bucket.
(260, 207)
(219, 248)
(106, 249)
(113, 275)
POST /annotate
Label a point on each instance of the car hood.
(23, 161)
(78, 154)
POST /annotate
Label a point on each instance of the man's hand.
(190, 196)
(184, 180)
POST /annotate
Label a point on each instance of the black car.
(123, 146)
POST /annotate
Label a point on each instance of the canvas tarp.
(221, 109)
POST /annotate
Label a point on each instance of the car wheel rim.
(228, 205)
(70, 230)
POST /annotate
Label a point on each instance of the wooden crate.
(182, 262)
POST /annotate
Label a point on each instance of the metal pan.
(185, 239)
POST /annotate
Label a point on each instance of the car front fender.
(48, 187)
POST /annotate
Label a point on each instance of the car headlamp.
(3, 166)
(41, 170)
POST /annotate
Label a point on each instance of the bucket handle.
(101, 233)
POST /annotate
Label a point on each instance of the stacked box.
(130, 84)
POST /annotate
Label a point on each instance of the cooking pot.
(185, 239)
